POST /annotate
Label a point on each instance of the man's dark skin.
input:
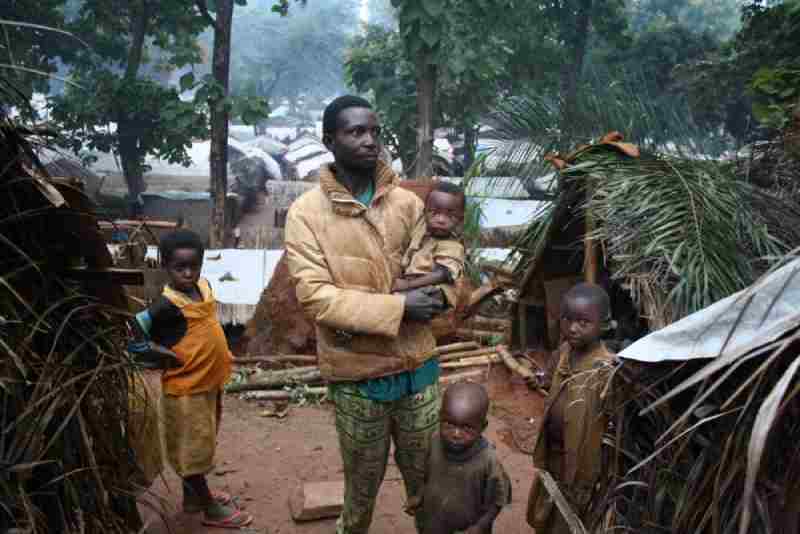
(355, 146)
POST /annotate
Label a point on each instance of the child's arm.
(498, 490)
(145, 352)
(439, 275)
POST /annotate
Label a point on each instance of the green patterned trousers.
(366, 428)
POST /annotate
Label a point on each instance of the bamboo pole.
(276, 359)
(517, 368)
(271, 382)
(280, 395)
(488, 323)
(472, 362)
(478, 335)
(458, 377)
(468, 354)
(589, 246)
(455, 347)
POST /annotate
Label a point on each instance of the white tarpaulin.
(757, 315)
(251, 269)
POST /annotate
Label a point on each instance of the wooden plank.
(317, 500)
(472, 362)
(125, 223)
(456, 347)
(114, 275)
(468, 354)
(277, 359)
(460, 377)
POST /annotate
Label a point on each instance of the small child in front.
(435, 256)
(575, 418)
(465, 483)
(184, 320)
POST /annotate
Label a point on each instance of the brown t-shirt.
(460, 490)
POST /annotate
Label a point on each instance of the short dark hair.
(330, 116)
(467, 394)
(450, 188)
(594, 294)
(182, 238)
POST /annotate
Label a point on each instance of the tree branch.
(201, 5)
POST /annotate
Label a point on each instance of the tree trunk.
(426, 92)
(129, 153)
(470, 141)
(218, 158)
(572, 71)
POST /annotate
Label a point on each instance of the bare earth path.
(261, 459)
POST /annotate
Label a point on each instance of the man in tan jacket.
(345, 242)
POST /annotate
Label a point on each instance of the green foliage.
(744, 83)
(29, 46)
(164, 125)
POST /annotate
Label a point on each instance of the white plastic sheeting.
(752, 318)
(505, 212)
(307, 166)
(252, 269)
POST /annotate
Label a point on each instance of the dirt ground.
(262, 459)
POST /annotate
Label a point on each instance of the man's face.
(356, 143)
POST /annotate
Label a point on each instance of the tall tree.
(434, 36)
(219, 113)
(149, 118)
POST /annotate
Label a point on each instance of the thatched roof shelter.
(665, 236)
(68, 460)
(706, 421)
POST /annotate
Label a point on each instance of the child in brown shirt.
(435, 256)
(465, 483)
(575, 419)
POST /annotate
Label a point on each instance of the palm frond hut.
(67, 463)
(704, 438)
(666, 236)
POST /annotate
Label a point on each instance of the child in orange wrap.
(571, 433)
(184, 320)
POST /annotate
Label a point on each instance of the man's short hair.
(182, 238)
(330, 116)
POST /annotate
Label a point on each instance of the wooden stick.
(277, 381)
(469, 354)
(513, 365)
(488, 323)
(277, 359)
(283, 395)
(469, 333)
(455, 347)
(472, 362)
(458, 377)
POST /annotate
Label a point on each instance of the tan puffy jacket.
(345, 257)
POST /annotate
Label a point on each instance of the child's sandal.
(237, 519)
(220, 497)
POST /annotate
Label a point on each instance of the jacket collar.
(343, 201)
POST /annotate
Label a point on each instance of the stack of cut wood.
(276, 383)
(485, 329)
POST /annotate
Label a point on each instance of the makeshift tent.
(705, 421)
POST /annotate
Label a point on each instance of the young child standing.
(435, 256)
(465, 484)
(571, 433)
(184, 320)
